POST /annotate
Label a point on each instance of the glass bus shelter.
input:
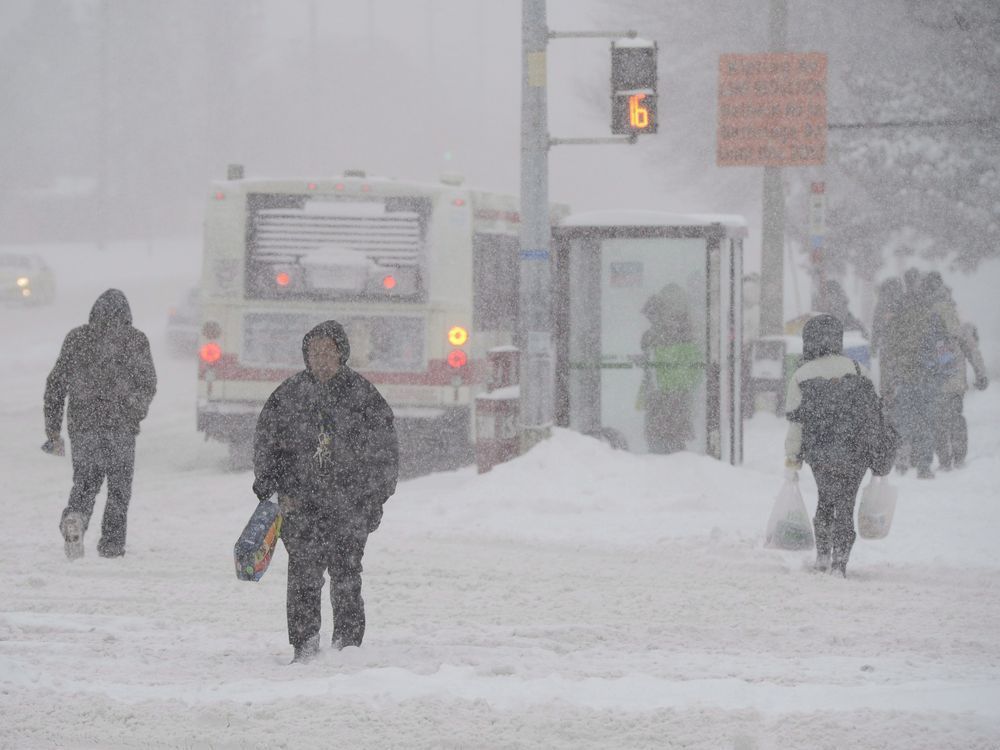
(648, 329)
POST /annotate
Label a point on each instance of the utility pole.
(535, 319)
(103, 126)
(772, 250)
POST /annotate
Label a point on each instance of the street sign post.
(817, 213)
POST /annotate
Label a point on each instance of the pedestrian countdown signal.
(633, 87)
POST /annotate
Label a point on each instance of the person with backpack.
(833, 412)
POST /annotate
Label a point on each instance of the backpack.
(844, 425)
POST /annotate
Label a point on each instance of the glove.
(54, 446)
(373, 514)
(981, 382)
(263, 489)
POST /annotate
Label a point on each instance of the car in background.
(25, 279)
(182, 324)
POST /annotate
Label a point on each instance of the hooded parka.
(331, 446)
(330, 453)
(106, 369)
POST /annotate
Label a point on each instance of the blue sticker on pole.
(535, 254)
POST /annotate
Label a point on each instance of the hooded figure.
(326, 445)
(673, 370)
(833, 301)
(925, 343)
(816, 408)
(106, 371)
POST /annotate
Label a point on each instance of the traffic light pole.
(535, 320)
(535, 297)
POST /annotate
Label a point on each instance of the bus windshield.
(328, 247)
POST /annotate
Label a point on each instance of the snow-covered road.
(577, 597)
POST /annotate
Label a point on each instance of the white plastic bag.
(789, 526)
(877, 506)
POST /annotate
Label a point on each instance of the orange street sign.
(772, 110)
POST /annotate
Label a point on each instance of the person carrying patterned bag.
(325, 443)
(106, 371)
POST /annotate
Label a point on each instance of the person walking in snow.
(887, 306)
(831, 405)
(326, 445)
(951, 439)
(912, 337)
(833, 301)
(106, 370)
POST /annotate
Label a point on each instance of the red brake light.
(282, 279)
(220, 196)
(389, 282)
(210, 353)
(339, 186)
(457, 358)
(459, 202)
(311, 186)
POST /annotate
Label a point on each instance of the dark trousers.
(915, 404)
(834, 521)
(951, 433)
(314, 547)
(96, 456)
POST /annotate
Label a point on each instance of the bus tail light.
(457, 359)
(210, 353)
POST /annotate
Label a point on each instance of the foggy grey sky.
(408, 89)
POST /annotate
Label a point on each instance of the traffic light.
(633, 87)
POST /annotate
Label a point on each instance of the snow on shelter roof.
(640, 218)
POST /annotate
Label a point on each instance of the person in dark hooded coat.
(838, 467)
(325, 443)
(106, 370)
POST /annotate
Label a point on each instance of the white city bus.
(423, 276)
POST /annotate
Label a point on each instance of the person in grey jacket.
(326, 445)
(838, 461)
(106, 371)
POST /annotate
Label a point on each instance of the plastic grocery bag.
(253, 550)
(789, 526)
(877, 506)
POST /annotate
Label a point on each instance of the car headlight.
(23, 281)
